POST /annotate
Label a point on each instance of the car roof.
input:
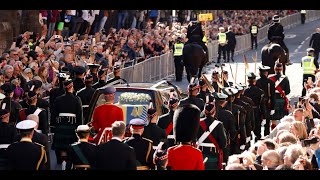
(146, 86)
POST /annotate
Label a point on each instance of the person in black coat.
(114, 154)
(25, 154)
(152, 131)
(116, 74)
(7, 131)
(215, 80)
(315, 43)
(85, 94)
(102, 79)
(192, 98)
(93, 71)
(142, 146)
(268, 86)
(231, 45)
(204, 92)
(81, 154)
(8, 103)
(57, 91)
(35, 85)
(79, 76)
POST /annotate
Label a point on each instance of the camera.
(56, 36)
(308, 142)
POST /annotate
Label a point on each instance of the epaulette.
(38, 144)
(147, 139)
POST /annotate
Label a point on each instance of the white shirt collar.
(116, 138)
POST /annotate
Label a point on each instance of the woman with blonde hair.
(298, 129)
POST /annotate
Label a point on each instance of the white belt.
(276, 91)
(207, 145)
(85, 106)
(67, 114)
(170, 137)
(155, 147)
(242, 147)
(248, 139)
(4, 146)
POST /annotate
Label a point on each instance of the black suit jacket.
(115, 155)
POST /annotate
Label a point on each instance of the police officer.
(228, 121)
(254, 30)
(116, 74)
(222, 40)
(178, 58)
(93, 71)
(142, 146)
(152, 131)
(310, 67)
(268, 86)
(257, 95)
(204, 92)
(315, 43)
(79, 77)
(67, 116)
(231, 45)
(166, 120)
(276, 34)
(303, 14)
(102, 79)
(85, 94)
(282, 87)
(81, 154)
(239, 114)
(213, 143)
(192, 98)
(8, 103)
(195, 34)
(25, 154)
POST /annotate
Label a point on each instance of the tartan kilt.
(64, 136)
(279, 109)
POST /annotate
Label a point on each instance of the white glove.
(272, 112)
(264, 121)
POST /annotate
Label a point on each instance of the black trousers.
(254, 41)
(283, 45)
(303, 18)
(257, 124)
(305, 77)
(223, 50)
(230, 52)
(178, 63)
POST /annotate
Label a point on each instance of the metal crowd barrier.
(159, 67)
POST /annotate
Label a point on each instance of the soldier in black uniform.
(8, 103)
(165, 121)
(239, 114)
(116, 74)
(35, 85)
(85, 94)
(215, 80)
(268, 86)
(212, 148)
(276, 33)
(226, 82)
(41, 113)
(152, 131)
(102, 79)
(67, 116)
(195, 34)
(282, 89)
(192, 98)
(226, 117)
(204, 92)
(79, 76)
(7, 131)
(26, 155)
(93, 71)
(81, 154)
(257, 95)
(142, 146)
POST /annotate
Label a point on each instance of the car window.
(165, 94)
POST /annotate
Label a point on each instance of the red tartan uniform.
(104, 116)
(185, 157)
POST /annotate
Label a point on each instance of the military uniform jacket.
(218, 132)
(113, 79)
(115, 155)
(239, 114)
(225, 116)
(54, 93)
(95, 77)
(43, 118)
(203, 95)
(215, 86)
(99, 84)
(78, 84)
(154, 133)
(275, 29)
(13, 109)
(86, 94)
(249, 114)
(165, 120)
(26, 156)
(262, 83)
(88, 150)
(256, 94)
(284, 84)
(143, 149)
(7, 133)
(193, 100)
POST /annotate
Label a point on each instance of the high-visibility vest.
(303, 11)
(204, 39)
(254, 29)
(178, 47)
(308, 66)
(222, 38)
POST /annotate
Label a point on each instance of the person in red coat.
(105, 115)
(185, 156)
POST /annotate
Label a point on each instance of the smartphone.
(56, 36)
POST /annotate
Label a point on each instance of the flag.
(245, 62)
(134, 111)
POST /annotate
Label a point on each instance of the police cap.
(219, 96)
(89, 78)
(26, 125)
(83, 128)
(251, 75)
(109, 90)
(263, 68)
(4, 113)
(137, 123)
(68, 84)
(8, 87)
(79, 70)
(276, 18)
(310, 50)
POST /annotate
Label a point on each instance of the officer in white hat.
(222, 48)
(310, 67)
(26, 155)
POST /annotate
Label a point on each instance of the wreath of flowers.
(134, 98)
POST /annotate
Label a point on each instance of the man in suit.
(231, 45)
(116, 155)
